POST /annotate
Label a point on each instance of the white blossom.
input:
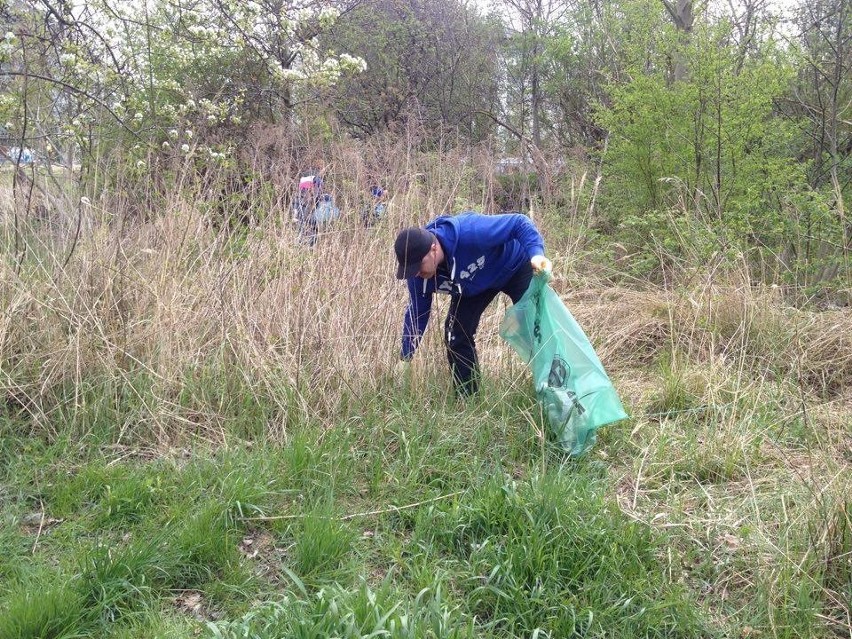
(353, 62)
(327, 16)
(289, 74)
(329, 13)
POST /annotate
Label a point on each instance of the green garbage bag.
(570, 382)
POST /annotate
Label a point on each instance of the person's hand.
(541, 264)
(401, 368)
(402, 372)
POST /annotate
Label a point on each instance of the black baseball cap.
(411, 246)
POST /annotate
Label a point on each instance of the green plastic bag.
(570, 382)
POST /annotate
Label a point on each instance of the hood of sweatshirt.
(446, 229)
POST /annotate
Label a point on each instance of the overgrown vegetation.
(200, 430)
(201, 433)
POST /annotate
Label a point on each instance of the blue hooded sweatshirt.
(481, 252)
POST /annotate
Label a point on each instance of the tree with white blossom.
(158, 76)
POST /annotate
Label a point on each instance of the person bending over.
(471, 257)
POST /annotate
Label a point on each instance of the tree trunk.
(682, 15)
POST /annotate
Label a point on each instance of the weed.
(322, 547)
(48, 609)
(360, 613)
(550, 555)
(120, 581)
(204, 543)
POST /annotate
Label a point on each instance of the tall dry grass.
(209, 282)
(190, 303)
(181, 291)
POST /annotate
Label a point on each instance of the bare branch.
(73, 89)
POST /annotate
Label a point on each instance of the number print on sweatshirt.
(447, 286)
(472, 268)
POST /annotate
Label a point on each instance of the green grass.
(43, 609)
(358, 612)
(481, 531)
(166, 528)
(552, 554)
(322, 547)
(718, 510)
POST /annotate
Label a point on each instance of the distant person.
(376, 208)
(19, 155)
(305, 205)
(471, 257)
(326, 210)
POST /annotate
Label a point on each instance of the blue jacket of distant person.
(481, 252)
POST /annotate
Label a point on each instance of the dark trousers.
(462, 323)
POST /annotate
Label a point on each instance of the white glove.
(402, 371)
(541, 264)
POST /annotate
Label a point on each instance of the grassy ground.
(201, 435)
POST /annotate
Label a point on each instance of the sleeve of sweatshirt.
(416, 318)
(512, 226)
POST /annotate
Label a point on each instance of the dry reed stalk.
(824, 357)
(628, 328)
(179, 290)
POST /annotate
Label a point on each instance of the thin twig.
(40, 526)
(389, 509)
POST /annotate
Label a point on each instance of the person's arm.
(416, 318)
